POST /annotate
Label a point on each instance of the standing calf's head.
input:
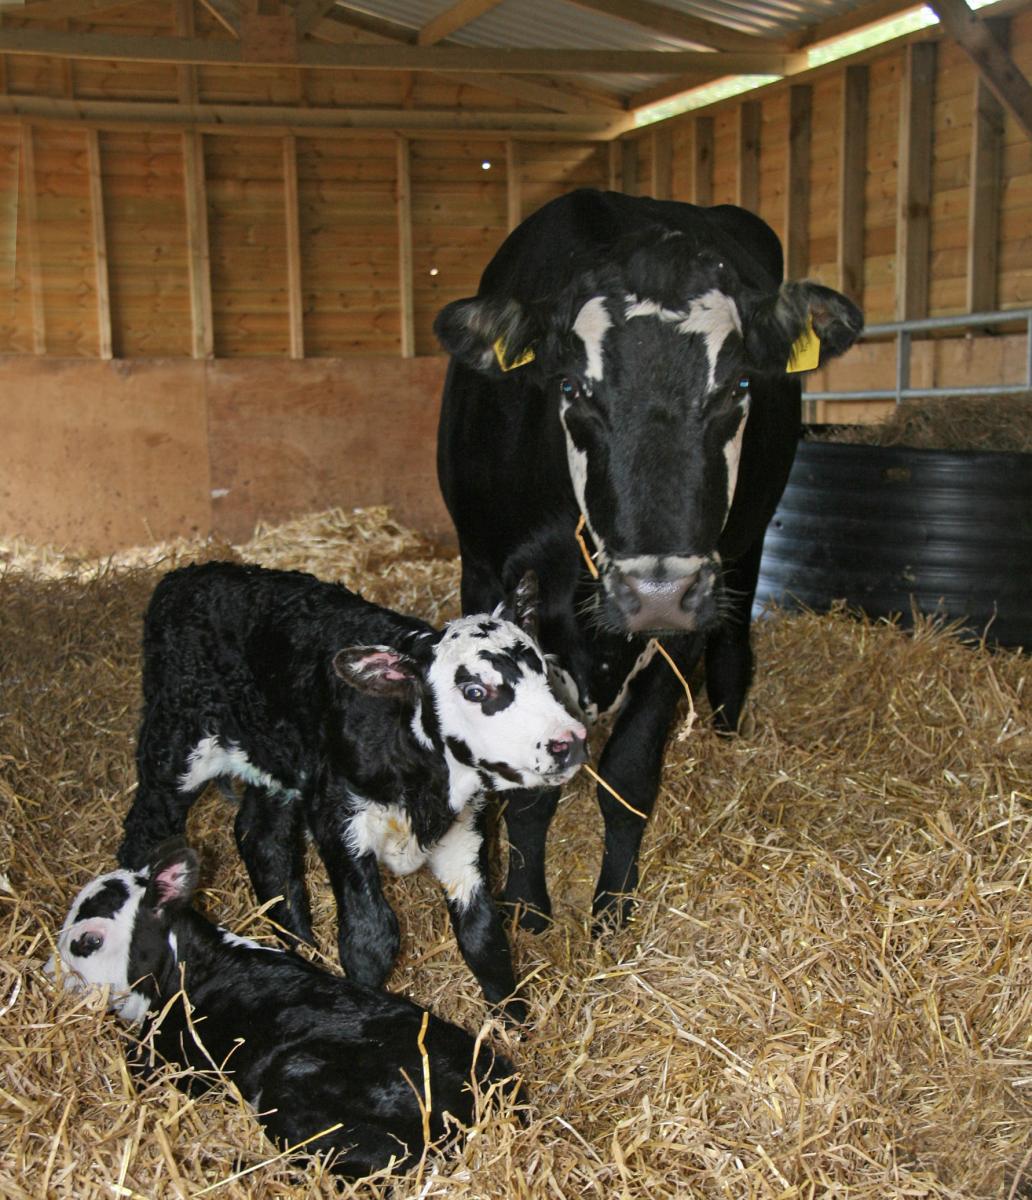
(117, 933)
(481, 690)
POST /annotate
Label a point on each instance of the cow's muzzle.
(658, 601)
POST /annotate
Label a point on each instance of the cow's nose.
(570, 749)
(650, 603)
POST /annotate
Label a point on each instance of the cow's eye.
(741, 388)
(570, 388)
(473, 692)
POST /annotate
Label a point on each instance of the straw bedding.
(826, 990)
(999, 423)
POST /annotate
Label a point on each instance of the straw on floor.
(826, 989)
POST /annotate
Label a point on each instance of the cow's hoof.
(513, 1011)
(610, 913)
(533, 920)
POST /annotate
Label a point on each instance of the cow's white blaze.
(209, 759)
(732, 454)
(108, 964)
(577, 460)
(713, 315)
(508, 742)
(591, 325)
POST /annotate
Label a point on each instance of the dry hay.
(949, 423)
(825, 991)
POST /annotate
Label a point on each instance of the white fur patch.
(384, 831)
(577, 461)
(732, 455)
(209, 759)
(714, 315)
(591, 325)
(455, 860)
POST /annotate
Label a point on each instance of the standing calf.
(308, 1050)
(377, 733)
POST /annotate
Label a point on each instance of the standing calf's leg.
(528, 814)
(270, 837)
(459, 861)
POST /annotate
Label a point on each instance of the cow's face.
(652, 365)
(116, 934)
(481, 693)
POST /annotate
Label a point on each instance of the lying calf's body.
(375, 732)
(307, 1049)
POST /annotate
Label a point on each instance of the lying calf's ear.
(378, 671)
(521, 606)
(174, 871)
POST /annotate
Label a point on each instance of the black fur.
(254, 658)
(654, 432)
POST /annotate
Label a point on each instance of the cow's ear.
(492, 336)
(173, 874)
(776, 323)
(521, 606)
(379, 671)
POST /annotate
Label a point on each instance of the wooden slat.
(202, 339)
(913, 212)
(100, 254)
(797, 183)
(187, 75)
(994, 64)
(308, 14)
(852, 180)
(614, 180)
(985, 190)
(662, 162)
(750, 118)
(629, 166)
(374, 57)
(405, 288)
(513, 183)
(453, 18)
(295, 304)
(39, 327)
(702, 160)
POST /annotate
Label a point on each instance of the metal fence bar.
(903, 332)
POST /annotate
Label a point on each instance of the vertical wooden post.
(615, 159)
(100, 256)
(202, 337)
(750, 117)
(629, 166)
(852, 182)
(662, 162)
(39, 325)
(702, 160)
(914, 187)
(186, 74)
(797, 185)
(984, 189)
(513, 185)
(404, 207)
(295, 303)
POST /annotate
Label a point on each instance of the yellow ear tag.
(806, 353)
(520, 361)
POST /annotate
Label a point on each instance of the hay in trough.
(826, 989)
(947, 423)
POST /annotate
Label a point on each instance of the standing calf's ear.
(378, 671)
(174, 870)
(774, 323)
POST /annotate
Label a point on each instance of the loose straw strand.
(578, 533)
(426, 1076)
(613, 792)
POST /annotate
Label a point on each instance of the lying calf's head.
(481, 690)
(118, 931)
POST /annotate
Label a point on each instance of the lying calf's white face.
(495, 709)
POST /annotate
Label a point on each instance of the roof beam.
(447, 22)
(994, 64)
(59, 10)
(659, 19)
(362, 57)
(308, 14)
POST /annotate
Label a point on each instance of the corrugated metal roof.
(554, 24)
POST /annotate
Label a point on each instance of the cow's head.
(480, 691)
(652, 361)
(117, 932)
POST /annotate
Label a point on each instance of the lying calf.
(379, 734)
(308, 1050)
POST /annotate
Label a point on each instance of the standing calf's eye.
(473, 692)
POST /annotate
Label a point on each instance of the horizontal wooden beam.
(360, 57)
(453, 18)
(60, 10)
(668, 21)
(258, 118)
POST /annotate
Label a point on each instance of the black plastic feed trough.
(888, 528)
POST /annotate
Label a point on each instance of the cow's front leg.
(631, 764)
(459, 861)
(270, 837)
(367, 929)
(729, 657)
(528, 814)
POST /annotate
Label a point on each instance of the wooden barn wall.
(267, 298)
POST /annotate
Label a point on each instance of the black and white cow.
(624, 362)
(372, 731)
(309, 1051)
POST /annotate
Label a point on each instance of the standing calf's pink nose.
(570, 748)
